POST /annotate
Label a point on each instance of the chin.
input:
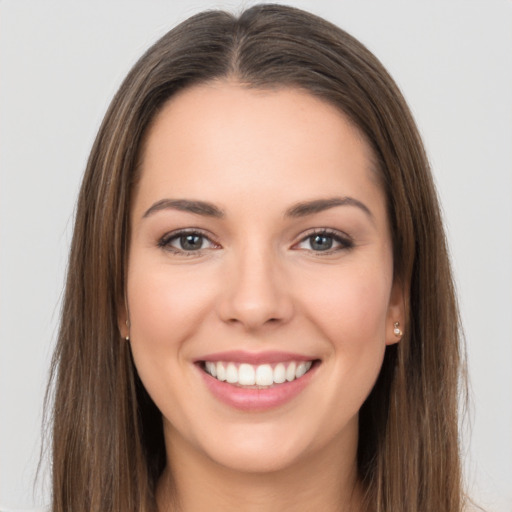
(270, 446)
(257, 457)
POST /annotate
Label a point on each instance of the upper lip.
(255, 358)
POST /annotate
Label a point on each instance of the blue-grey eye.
(325, 241)
(321, 242)
(185, 242)
(191, 242)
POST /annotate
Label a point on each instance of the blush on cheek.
(163, 306)
(352, 311)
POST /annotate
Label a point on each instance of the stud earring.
(396, 330)
(127, 338)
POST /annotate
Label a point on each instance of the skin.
(258, 284)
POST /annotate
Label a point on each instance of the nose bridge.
(256, 293)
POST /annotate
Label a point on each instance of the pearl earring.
(396, 330)
(127, 338)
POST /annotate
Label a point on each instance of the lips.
(256, 382)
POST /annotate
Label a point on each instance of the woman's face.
(260, 249)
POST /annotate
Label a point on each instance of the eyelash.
(344, 241)
(167, 239)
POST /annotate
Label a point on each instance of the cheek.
(351, 315)
(352, 308)
(164, 305)
(166, 308)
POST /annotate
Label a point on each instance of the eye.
(183, 242)
(321, 242)
(325, 241)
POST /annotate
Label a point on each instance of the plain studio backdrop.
(62, 61)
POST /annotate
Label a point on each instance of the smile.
(258, 376)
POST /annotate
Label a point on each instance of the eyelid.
(344, 240)
(164, 242)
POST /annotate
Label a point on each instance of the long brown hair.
(108, 450)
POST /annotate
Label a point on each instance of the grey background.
(61, 62)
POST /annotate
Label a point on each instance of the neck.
(326, 481)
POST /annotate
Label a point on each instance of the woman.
(259, 312)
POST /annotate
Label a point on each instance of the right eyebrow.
(185, 205)
(318, 205)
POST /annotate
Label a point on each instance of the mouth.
(257, 376)
(257, 382)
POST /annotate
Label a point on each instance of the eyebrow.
(319, 205)
(301, 209)
(185, 205)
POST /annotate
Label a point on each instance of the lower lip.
(248, 399)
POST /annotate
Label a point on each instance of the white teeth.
(279, 373)
(259, 375)
(211, 368)
(231, 374)
(221, 371)
(246, 375)
(302, 369)
(264, 375)
(290, 372)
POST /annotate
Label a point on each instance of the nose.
(256, 292)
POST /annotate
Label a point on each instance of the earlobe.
(397, 313)
(123, 322)
(396, 334)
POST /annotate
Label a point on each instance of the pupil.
(191, 242)
(321, 242)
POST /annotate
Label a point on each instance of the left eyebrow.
(305, 208)
(185, 205)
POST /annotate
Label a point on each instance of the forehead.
(215, 104)
(218, 139)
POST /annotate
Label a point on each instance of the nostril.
(253, 305)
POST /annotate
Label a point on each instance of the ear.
(123, 322)
(397, 312)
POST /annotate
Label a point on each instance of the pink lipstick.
(256, 381)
